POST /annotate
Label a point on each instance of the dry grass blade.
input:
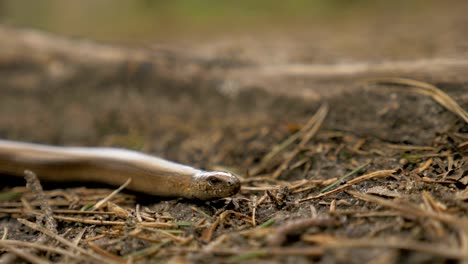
(412, 210)
(306, 135)
(429, 90)
(268, 158)
(110, 196)
(106, 253)
(381, 173)
(254, 208)
(37, 246)
(310, 184)
(5, 233)
(25, 255)
(342, 179)
(266, 161)
(63, 241)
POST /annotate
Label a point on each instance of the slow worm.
(113, 166)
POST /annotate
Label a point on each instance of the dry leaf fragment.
(119, 211)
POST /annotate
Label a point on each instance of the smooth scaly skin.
(150, 175)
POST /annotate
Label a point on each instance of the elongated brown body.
(150, 175)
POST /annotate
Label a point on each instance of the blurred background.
(313, 31)
(140, 21)
(144, 20)
(193, 50)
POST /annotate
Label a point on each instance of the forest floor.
(338, 163)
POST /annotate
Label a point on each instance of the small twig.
(156, 224)
(424, 166)
(207, 235)
(112, 223)
(88, 221)
(35, 185)
(254, 210)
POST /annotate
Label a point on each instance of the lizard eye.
(213, 180)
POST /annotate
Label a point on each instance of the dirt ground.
(403, 198)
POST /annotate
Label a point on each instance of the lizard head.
(211, 185)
